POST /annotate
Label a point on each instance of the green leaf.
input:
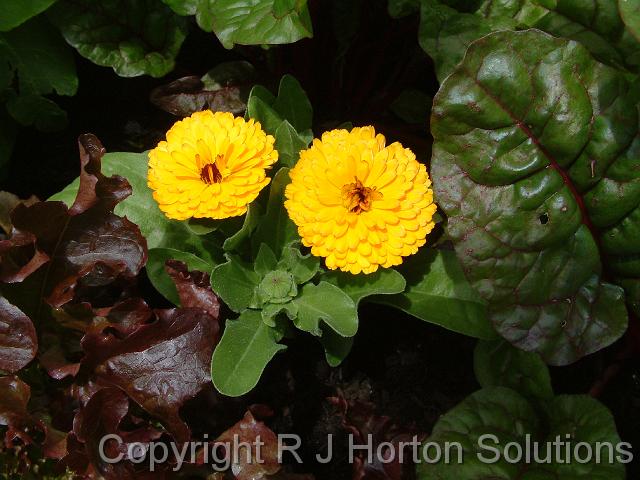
(632, 289)
(261, 111)
(384, 281)
(263, 93)
(42, 113)
(134, 37)
(498, 364)
(270, 311)
(202, 9)
(413, 106)
(302, 267)
(275, 229)
(43, 62)
(326, 303)
(202, 226)
(235, 283)
(265, 261)
(251, 219)
(509, 417)
(597, 25)
(142, 209)
(256, 22)
(445, 34)
(293, 105)
(158, 275)
(288, 143)
(336, 347)
(524, 198)
(608, 28)
(630, 13)
(402, 8)
(246, 346)
(16, 12)
(438, 292)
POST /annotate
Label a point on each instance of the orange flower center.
(210, 173)
(357, 198)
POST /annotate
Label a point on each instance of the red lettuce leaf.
(18, 340)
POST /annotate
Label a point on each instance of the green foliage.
(438, 292)
(510, 417)
(516, 403)
(291, 105)
(249, 22)
(498, 364)
(275, 228)
(608, 28)
(16, 12)
(256, 22)
(36, 63)
(141, 209)
(36, 53)
(134, 37)
(534, 212)
(158, 275)
(246, 347)
(325, 303)
(202, 9)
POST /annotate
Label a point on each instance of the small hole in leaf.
(544, 219)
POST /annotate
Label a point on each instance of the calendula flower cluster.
(212, 165)
(358, 202)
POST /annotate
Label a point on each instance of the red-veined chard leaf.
(536, 164)
(505, 415)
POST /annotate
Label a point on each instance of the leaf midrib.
(553, 164)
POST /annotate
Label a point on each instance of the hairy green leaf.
(533, 159)
(326, 303)
(302, 267)
(336, 347)
(437, 292)
(275, 228)
(134, 37)
(293, 105)
(288, 143)
(255, 22)
(249, 224)
(246, 346)
(235, 282)
(385, 281)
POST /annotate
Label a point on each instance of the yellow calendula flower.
(212, 165)
(358, 202)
